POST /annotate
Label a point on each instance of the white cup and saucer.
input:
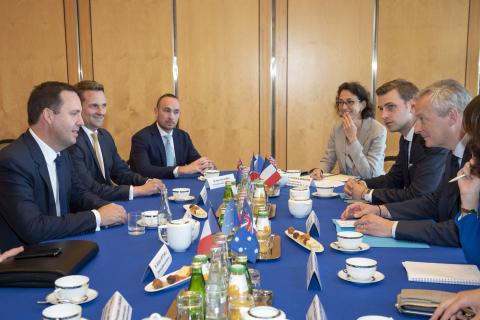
(181, 195)
(180, 233)
(361, 270)
(325, 190)
(72, 289)
(349, 241)
(149, 219)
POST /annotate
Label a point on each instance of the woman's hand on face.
(349, 128)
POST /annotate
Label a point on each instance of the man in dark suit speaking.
(39, 187)
(161, 150)
(95, 155)
(429, 218)
(417, 169)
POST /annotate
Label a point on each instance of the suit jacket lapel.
(158, 141)
(176, 146)
(83, 138)
(41, 167)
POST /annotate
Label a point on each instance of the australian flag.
(245, 240)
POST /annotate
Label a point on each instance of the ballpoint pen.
(457, 178)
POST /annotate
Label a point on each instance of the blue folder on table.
(381, 242)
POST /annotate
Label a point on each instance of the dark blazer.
(408, 180)
(116, 170)
(27, 205)
(430, 217)
(147, 155)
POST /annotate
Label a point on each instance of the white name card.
(316, 310)
(204, 194)
(312, 220)
(304, 181)
(117, 308)
(219, 182)
(161, 262)
(312, 270)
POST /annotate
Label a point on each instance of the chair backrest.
(4, 142)
(388, 163)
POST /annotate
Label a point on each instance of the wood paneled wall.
(232, 104)
(32, 50)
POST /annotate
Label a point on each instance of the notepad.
(465, 274)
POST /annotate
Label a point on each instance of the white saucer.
(150, 226)
(331, 195)
(189, 198)
(91, 294)
(336, 246)
(377, 277)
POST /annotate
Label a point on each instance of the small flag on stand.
(210, 227)
(245, 240)
(256, 166)
(230, 218)
(270, 174)
(238, 174)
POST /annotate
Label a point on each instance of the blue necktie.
(169, 151)
(62, 196)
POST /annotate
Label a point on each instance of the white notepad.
(466, 274)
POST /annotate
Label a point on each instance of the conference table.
(122, 261)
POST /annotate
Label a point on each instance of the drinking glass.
(190, 306)
(134, 228)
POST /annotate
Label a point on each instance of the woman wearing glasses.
(357, 143)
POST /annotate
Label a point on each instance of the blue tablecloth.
(122, 260)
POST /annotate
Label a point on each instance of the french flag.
(210, 227)
(270, 174)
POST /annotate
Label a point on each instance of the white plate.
(336, 246)
(91, 294)
(189, 198)
(377, 277)
(318, 246)
(199, 213)
(331, 195)
(149, 287)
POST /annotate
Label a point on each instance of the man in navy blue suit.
(162, 150)
(95, 155)
(417, 169)
(39, 187)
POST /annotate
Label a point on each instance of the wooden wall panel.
(132, 57)
(422, 41)
(218, 60)
(329, 42)
(32, 51)
(473, 51)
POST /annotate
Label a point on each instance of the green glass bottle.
(197, 283)
(227, 196)
(242, 259)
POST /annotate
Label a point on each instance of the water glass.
(134, 228)
(239, 305)
(190, 306)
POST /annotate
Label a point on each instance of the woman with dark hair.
(357, 142)
(468, 220)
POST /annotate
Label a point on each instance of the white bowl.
(349, 239)
(324, 188)
(62, 311)
(211, 173)
(361, 268)
(299, 208)
(300, 193)
(181, 193)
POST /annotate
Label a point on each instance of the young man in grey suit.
(39, 187)
(439, 111)
(95, 155)
(417, 169)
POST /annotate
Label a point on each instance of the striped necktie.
(96, 148)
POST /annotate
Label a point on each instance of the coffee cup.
(324, 188)
(299, 208)
(180, 234)
(361, 269)
(72, 288)
(349, 240)
(62, 311)
(180, 194)
(211, 173)
(300, 193)
(150, 218)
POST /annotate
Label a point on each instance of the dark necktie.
(62, 195)
(406, 145)
(455, 166)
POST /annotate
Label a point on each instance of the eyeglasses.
(348, 103)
